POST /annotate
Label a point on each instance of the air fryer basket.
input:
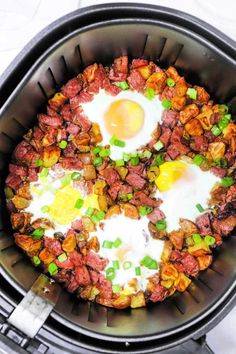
(101, 33)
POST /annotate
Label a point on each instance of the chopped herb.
(137, 271)
(127, 265)
(210, 240)
(149, 93)
(116, 288)
(52, 268)
(44, 172)
(143, 210)
(227, 181)
(116, 264)
(196, 238)
(37, 234)
(96, 150)
(166, 103)
(107, 244)
(36, 260)
(116, 142)
(79, 203)
(198, 159)
(192, 93)
(110, 273)
(161, 225)
(199, 208)
(158, 146)
(120, 163)
(89, 211)
(117, 242)
(105, 153)
(63, 144)
(123, 85)
(76, 176)
(97, 161)
(45, 209)
(62, 257)
(134, 161)
(224, 121)
(170, 82)
(215, 130)
(39, 162)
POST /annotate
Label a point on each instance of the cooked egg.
(135, 243)
(55, 199)
(129, 116)
(182, 186)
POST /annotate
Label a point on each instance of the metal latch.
(35, 307)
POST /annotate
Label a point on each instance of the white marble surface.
(20, 20)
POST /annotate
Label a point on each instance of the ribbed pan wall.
(169, 44)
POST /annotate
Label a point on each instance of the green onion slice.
(134, 161)
(36, 260)
(216, 130)
(116, 142)
(149, 93)
(224, 121)
(149, 262)
(161, 225)
(76, 176)
(126, 157)
(199, 208)
(116, 264)
(192, 93)
(197, 238)
(39, 162)
(89, 211)
(137, 271)
(97, 161)
(166, 104)
(96, 150)
(223, 109)
(117, 242)
(45, 209)
(170, 82)
(62, 257)
(44, 172)
(63, 144)
(79, 203)
(110, 273)
(127, 265)
(144, 210)
(210, 240)
(37, 233)
(120, 163)
(198, 159)
(52, 268)
(158, 146)
(123, 85)
(227, 181)
(159, 159)
(105, 153)
(107, 244)
(116, 288)
(65, 180)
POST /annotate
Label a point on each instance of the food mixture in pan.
(125, 185)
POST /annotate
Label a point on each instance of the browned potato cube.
(89, 172)
(193, 127)
(138, 300)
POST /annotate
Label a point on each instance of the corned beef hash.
(126, 184)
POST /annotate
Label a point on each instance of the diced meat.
(210, 136)
(54, 122)
(71, 163)
(114, 190)
(94, 276)
(125, 189)
(110, 88)
(137, 169)
(66, 113)
(156, 215)
(63, 276)
(110, 175)
(51, 112)
(70, 150)
(28, 244)
(159, 293)
(73, 285)
(37, 133)
(67, 264)
(73, 129)
(119, 70)
(225, 226)
(200, 143)
(95, 261)
(177, 149)
(168, 93)
(176, 135)
(170, 118)
(32, 175)
(25, 153)
(53, 245)
(165, 136)
(136, 81)
(185, 262)
(80, 119)
(141, 198)
(219, 171)
(105, 289)
(83, 97)
(82, 276)
(72, 87)
(231, 193)
(13, 181)
(76, 258)
(20, 221)
(135, 180)
(20, 171)
(204, 224)
(137, 63)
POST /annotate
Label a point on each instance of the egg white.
(191, 189)
(95, 111)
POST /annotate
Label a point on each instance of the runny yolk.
(124, 118)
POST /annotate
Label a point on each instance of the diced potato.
(167, 283)
(121, 302)
(193, 127)
(89, 292)
(24, 191)
(93, 244)
(46, 256)
(169, 272)
(131, 211)
(199, 249)
(102, 202)
(204, 261)
(190, 111)
(43, 223)
(122, 171)
(95, 134)
(69, 243)
(89, 172)
(145, 71)
(28, 244)
(157, 82)
(183, 282)
(57, 100)
(137, 300)
(152, 173)
(81, 139)
(181, 88)
(229, 131)
(202, 95)
(113, 210)
(177, 237)
(217, 149)
(188, 227)
(166, 251)
(173, 73)
(99, 186)
(89, 72)
(51, 155)
(20, 203)
(205, 119)
(178, 103)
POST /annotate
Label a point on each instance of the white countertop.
(20, 20)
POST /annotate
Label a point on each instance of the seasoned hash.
(126, 184)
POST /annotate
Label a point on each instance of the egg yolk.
(170, 172)
(124, 118)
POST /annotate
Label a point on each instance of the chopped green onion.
(63, 144)
(223, 109)
(149, 93)
(120, 162)
(219, 161)
(134, 154)
(210, 240)
(110, 273)
(158, 146)
(98, 216)
(76, 176)
(224, 121)
(127, 265)
(107, 244)
(137, 271)
(37, 234)
(105, 153)
(199, 208)
(149, 262)
(146, 154)
(80, 237)
(39, 162)
(227, 181)
(79, 203)
(45, 209)
(126, 157)
(36, 260)
(161, 225)
(52, 268)
(216, 130)
(116, 264)
(116, 288)
(126, 197)
(117, 242)
(65, 180)
(116, 142)
(192, 93)
(198, 159)
(134, 161)
(196, 238)
(97, 161)
(159, 159)
(166, 103)
(89, 211)
(96, 150)
(129, 196)
(143, 210)
(44, 172)
(170, 82)
(62, 257)
(123, 85)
